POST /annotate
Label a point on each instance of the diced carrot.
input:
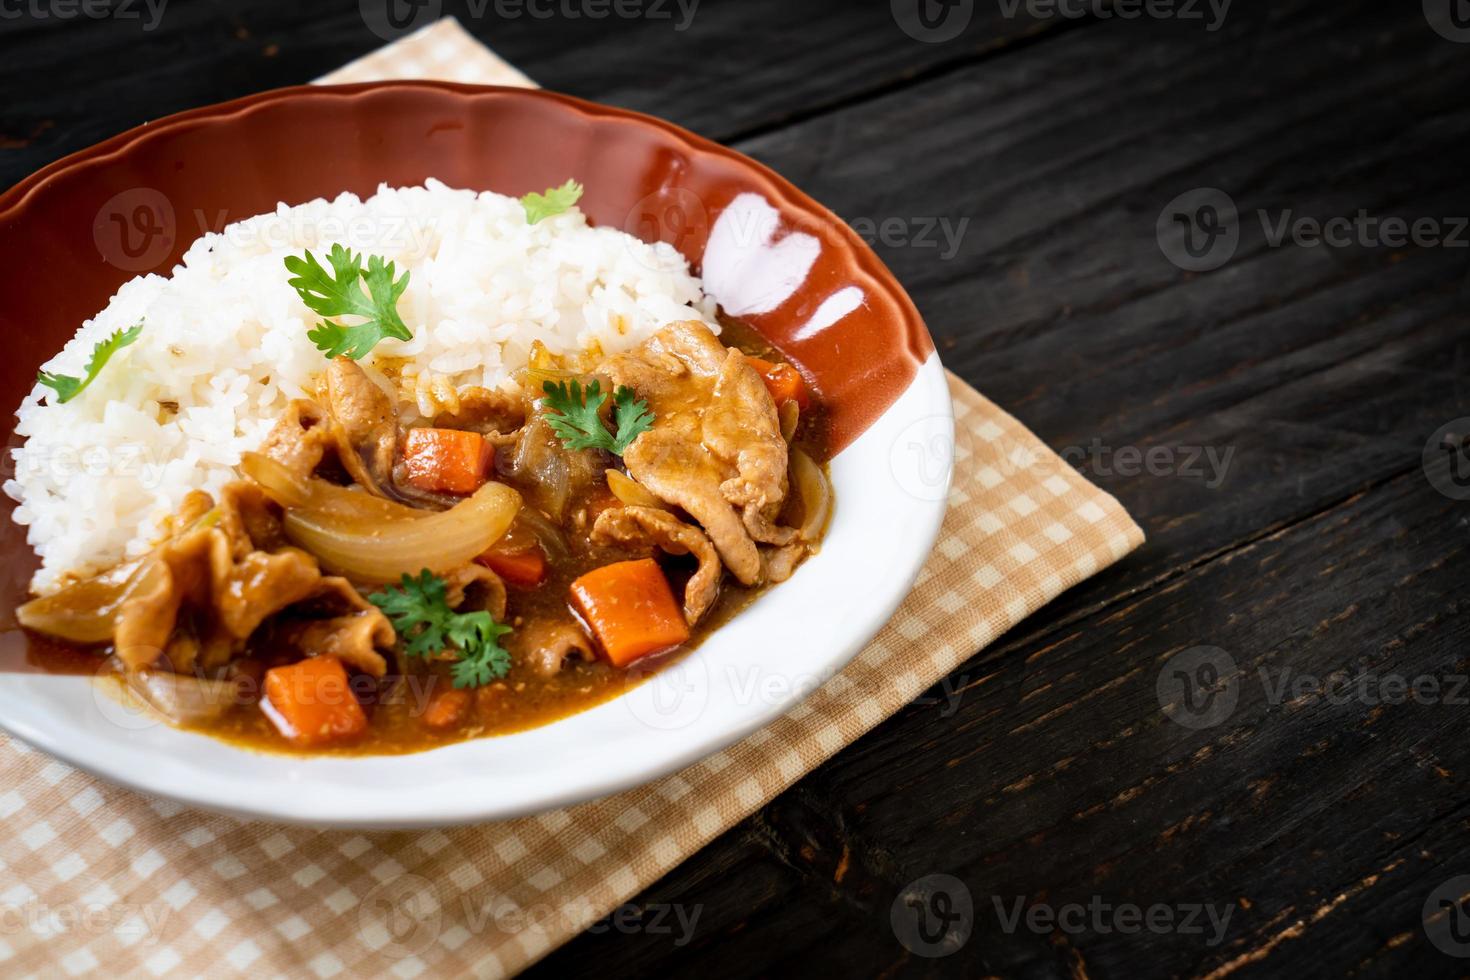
(783, 381)
(311, 702)
(447, 707)
(525, 568)
(631, 609)
(446, 460)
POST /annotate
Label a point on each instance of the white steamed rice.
(224, 339)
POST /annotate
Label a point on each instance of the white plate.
(890, 484)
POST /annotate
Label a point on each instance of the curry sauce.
(405, 705)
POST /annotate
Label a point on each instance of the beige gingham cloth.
(95, 878)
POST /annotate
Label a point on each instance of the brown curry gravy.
(521, 700)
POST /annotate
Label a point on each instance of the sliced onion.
(542, 467)
(631, 492)
(279, 483)
(86, 612)
(356, 504)
(789, 414)
(184, 700)
(369, 540)
(534, 379)
(815, 492)
(547, 534)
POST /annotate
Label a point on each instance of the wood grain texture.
(1321, 370)
(726, 68)
(1045, 769)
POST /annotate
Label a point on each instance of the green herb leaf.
(338, 294)
(419, 610)
(68, 387)
(553, 202)
(631, 416)
(578, 424)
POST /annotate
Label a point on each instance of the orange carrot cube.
(525, 568)
(631, 610)
(783, 381)
(446, 460)
(311, 702)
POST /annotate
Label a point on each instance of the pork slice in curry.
(377, 582)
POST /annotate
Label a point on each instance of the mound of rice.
(224, 348)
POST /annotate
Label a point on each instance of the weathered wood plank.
(721, 67)
(1322, 370)
(1059, 778)
(1319, 371)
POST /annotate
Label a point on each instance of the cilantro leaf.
(578, 424)
(68, 387)
(631, 416)
(419, 610)
(337, 293)
(553, 202)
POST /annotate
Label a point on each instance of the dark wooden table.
(1288, 395)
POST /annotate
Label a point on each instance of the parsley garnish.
(579, 425)
(67, 387)
(553, 202)
(338, 294)
(419, 609)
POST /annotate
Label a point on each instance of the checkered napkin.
(98, 878)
